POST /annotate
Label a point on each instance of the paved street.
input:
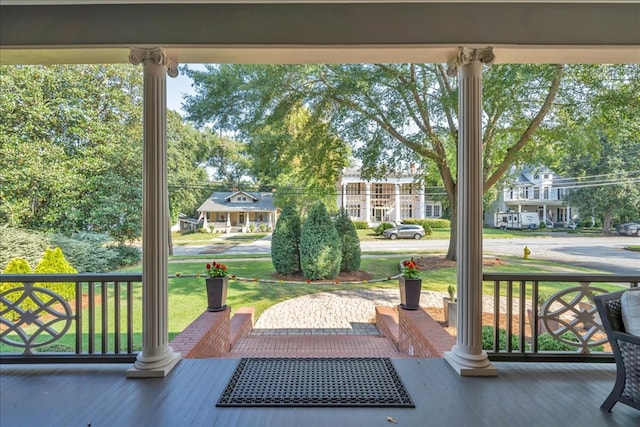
(603, 253)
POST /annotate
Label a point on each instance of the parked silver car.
(629, 228)
(404, 232)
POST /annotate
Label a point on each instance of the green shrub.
(15, 266)
(54, 262)
(487, 339)
(425, 223)
(383, 226)
(127, 255)
(361, 225)
(87, 252)
(350, 242)
(285, 242)
(320, 254)
(547, 342)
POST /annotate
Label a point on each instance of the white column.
(156, 358)
(396, 194)
(467, 356)
(367, 202)
(421, 200)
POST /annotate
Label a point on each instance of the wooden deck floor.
(524, 394)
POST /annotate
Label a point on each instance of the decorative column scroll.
(466, 56)
(157, 358)
(467, 357)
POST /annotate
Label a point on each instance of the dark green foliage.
(87, 252)
(425, 223)
(285, 242)
(320, 254)
(487, 339)
(546, 342)
(350, 242)
(55, 348)
(383, 226)
(361, 225)
(429, 223)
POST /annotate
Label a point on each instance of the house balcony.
(533, 387)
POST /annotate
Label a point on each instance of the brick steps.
(403, 334)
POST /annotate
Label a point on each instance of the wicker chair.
(626, 350)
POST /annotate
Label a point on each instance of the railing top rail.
(81, 277)
(571, 277)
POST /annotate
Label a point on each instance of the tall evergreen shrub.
(349, 241)
(320, 253)
(54, 262)
(285, 242)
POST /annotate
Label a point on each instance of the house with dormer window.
(535, 189)
(238, 212)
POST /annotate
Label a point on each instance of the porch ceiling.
(33, 32)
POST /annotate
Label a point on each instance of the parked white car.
(405, 232)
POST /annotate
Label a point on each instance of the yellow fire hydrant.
(526, 252)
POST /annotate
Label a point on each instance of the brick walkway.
(316, 346)
(326, 324)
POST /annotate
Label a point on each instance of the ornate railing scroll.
(569, 316)
(36, 320)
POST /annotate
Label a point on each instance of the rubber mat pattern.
(331, 382)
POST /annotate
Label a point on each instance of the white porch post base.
(468, 365)
(154, 367)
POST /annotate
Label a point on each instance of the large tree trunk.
(452, 253)
(453, 238)
(606, 223)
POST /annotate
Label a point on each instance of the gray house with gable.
(238, 211)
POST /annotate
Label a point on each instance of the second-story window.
(536, 192)
(545, 193)
(526, 192)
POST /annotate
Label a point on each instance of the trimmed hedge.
(487, 339)
(350, 243)
(320, 252)
(361, 225)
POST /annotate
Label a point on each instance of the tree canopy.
(71, 151)
(388, 115)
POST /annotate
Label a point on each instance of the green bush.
(15, 266)
(320, 254)
(383, 226)
(425, 223)
(54, 262)
(285, 242)
(87, 252)
(547, 342)
(487, 339)
(361, 225)
(126, 255)
(350, 242)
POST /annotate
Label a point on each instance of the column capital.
(466, 56)
(154, 55)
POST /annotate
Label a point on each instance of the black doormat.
(331, 382)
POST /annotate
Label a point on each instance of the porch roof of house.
(220, 202)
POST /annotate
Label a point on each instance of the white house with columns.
(390, 199)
